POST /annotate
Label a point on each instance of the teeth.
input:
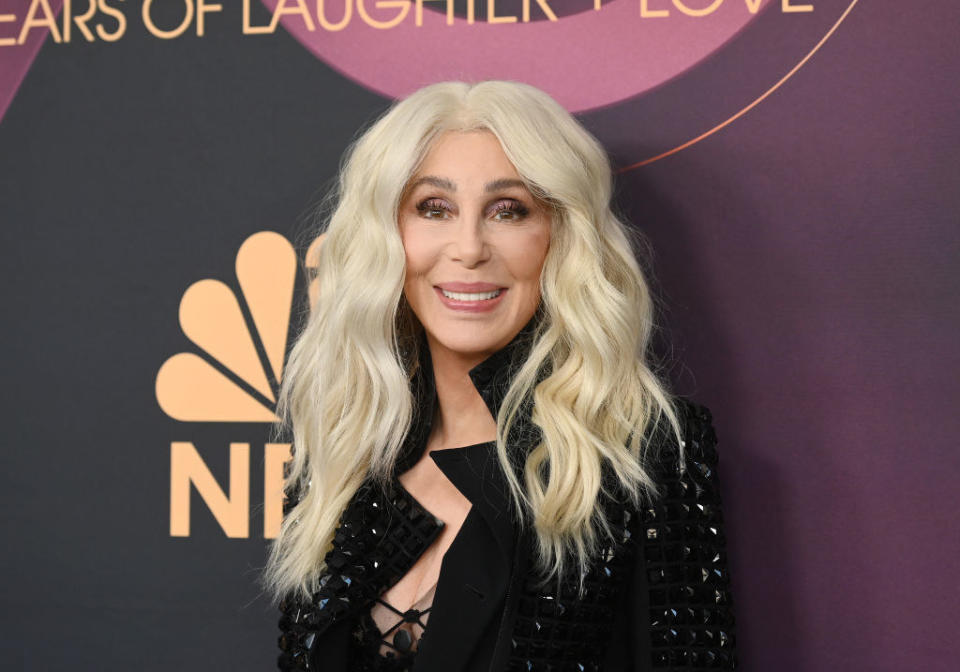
(463, 296)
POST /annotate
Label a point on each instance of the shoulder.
(698, 450)
(673, 466)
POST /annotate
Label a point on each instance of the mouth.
(472, 298)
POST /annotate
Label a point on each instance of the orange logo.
(234, 380)
(189, 387)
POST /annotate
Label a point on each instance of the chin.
(467, 343)
(470, 339)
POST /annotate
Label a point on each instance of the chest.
(428, 488)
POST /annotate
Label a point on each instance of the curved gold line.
(751, 105)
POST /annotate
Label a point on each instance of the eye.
(515, 210)
(432, 205)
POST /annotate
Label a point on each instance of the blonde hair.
(346, 394)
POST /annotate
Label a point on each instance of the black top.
(656, 597)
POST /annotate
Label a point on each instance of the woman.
(487, 475)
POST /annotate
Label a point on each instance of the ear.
(313, 252)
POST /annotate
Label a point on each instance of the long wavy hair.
(346, 395)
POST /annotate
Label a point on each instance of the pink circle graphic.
(586, 60)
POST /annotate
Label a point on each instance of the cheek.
(527, 255)
(417, 251)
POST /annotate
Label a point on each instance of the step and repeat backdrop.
(792, 162)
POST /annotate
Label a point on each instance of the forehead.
(465, 158)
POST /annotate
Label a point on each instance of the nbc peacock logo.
(230, 374)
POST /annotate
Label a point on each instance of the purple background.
(811, 253)
(808, 257)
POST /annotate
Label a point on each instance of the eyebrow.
(444, 183)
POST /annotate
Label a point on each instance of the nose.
(469, 245)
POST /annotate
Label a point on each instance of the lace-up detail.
(392, 648)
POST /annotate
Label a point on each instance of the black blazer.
(657, 598)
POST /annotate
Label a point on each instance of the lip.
(468, 286)
(470, 306)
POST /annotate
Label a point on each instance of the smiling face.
(475, 242)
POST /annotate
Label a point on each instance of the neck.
(461, 417)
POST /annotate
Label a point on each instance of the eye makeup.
(517, 209)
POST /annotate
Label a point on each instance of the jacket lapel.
(475, 572)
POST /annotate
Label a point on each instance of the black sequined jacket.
(657, 598)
